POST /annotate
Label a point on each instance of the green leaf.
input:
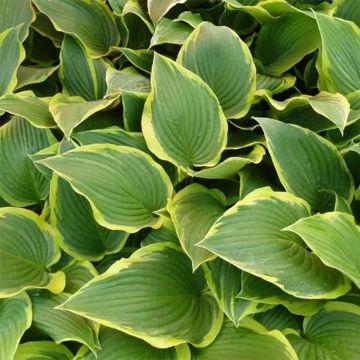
(29, 75)
(32, 108)
(19, 14)
(335, 238)
(255, 225)
(193, 210)
(128, 80)
(15, 318)
(165, 233)
(139, 297)
(84, 239)
(158, 8)
(27, 249)
(348, 10)
(250, 340)
(62, 326)
(332, 334)
(140, 58)
(77, 275)
(12, 54)
(279, 318)
(231, 166)
(337, 63)
(137, 27)
(274, 84)
(112, 135)
(342, 205)
(292, 36)
(116, 345)
(171, 123)
(170, 32)
(252, 178)
(333, 107)
(80, 75)
(69, 112)
(312, 169)
(44, 350)
(89, 21)
(133, 107)
(224, 280)
(45, 27)
(231, 73)
(22, 184)
(256, 289)
(132, 200)
(52, 150)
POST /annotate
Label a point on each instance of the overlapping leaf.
(138, 297)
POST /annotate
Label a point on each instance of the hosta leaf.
(12, 54)
(61, 326)
(279, 318)
(52, 150)
(192, 18)
(90, 21)
(171, 123)
(252, 178)
(158, 8)
(193, 210)
(255, 225)
(292, 36)
(139, 297)
(132, 200)
(135, 8)
(15, 318)
(84, 239)
(274, 84)
(45, 27)
(42, 350)
(335, 238)
(79, 74)
(348, 10)
(342, 205)
(332, 334)
(332, 107)
(19, 14)
(137, 27)
(117, 6)
(165, 233)
(69, 112)
(241, 139)
(128, 80)
(256, 289)
(312, 169)
(224, 280)
(27, 249)
(250, 341)
(230, 74)
(339, 70)
(22, 184)
(112, 135)
(77, 275)
(170, 32)
(140, 58)
(133, 107)
(28, 75)
(32, 108)
(231, 166)
(116, 345)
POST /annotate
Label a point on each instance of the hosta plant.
(179, 179)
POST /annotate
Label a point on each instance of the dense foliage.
(179, 179)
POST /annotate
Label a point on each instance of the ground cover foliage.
(179, 179)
